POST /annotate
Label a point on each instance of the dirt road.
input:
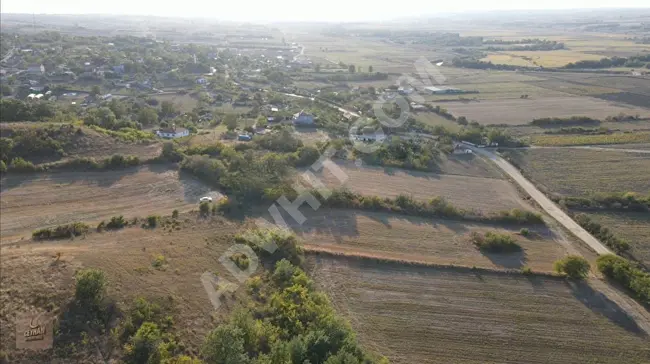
(549, 206)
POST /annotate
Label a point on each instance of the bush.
(204, 209)
(3, 167)
(61, 232)
(158, 261)
(240, 260)
(152, 221)
(602, 233)
(527, 271)
(574, 266)
(18, 164)
(524, 232)
(175, 214)
(90, 286)
(627, 273)
(116, 222)
(516, 216)
(101, 226)
(495, 242)
(273, 244)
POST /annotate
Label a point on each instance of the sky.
(295, 10)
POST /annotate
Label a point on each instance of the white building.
(172, 132)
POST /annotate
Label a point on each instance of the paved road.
(549, 206)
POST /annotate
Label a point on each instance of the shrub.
(527, 271)
(524, 232)
(90, 286)
(516, 216)
(495, 242)
(3, 167)
(175, 214)
(627, 274)
(18, 164)
(158, 261)
(204, 209)
(240, 260)
(61, 232)
(116, 222)
(224, 205)
(574, 266)
(152, 221)
(263, 241)
(602, 233)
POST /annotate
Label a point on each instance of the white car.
(206, 199)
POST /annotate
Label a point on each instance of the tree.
(261, 122)
(225, 345)
(204, 209)
(90, 286)
(95, 90)
(102, 116)
(167, 109)
(143, 346)
(5, 89)
(351, 68)
(148, 116)
(230, 121)
(370, 69)
(574, 266)
(3, 166)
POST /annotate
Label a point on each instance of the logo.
(34, 331)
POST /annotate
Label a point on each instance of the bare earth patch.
(427, 315)
(478, 193)
(28, 202)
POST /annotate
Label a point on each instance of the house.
(118, 69)
(303, 118)
(36, 69)
(201, 81)
(172, 132)
(244, 138)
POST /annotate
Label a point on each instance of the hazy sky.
(292, 10)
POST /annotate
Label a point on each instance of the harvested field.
(614, 138)
(522, 111)
(34, 201)
(633, 226)
(582, 172)
(434, 119)
(466, 190)
(430, 241)
(428, 315)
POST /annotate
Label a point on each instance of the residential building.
(303, 118)
(36, 69)
(172, 132)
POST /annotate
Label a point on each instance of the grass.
(480, 317)
(582, 172)
(550, 59)
(567, 140)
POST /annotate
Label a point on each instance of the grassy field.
(633, 226)
(184, 103)
(34, 201)
(549, 59)
(434, 119)
(579, 172)
(615, 138)
(126, 257)
(427, 315)
(431, 241)
(462, 190)
(522, 111)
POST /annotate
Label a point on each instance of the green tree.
(95, 90)
(148, 116)
(370, 69)
(574, 266)
(90, 286)
(261, 122)
(5, 89)
(225, 345)
(230, 121)
(167, 109)
(3, 166)
(143, 346)
(351, 68)
(102, 116)
(204, 209)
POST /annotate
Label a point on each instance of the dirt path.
(549, 206)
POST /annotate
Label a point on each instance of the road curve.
(549, 206)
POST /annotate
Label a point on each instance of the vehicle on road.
(205, 199)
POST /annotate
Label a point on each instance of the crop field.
(615, 138)
(581, 172)
(184, 103)
(428, 315)
(433, 119)
(522, 111)
(126, 257)
(498, 91)
(557, 58)
(463, 189)
(430, 241)
(28, 202)
(633, 226)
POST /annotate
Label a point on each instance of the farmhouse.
(172, 132)
(303, 118)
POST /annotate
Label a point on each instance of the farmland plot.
(632, 226)
(522, 111)
(465, 191)
(430, 241)
(48, 199)
(426, 315)
(580, 172)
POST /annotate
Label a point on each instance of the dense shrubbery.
(579, 130)
(516, 216)
(494, 242)
(61, 232)
(126, 134)
(273, 245)
(602, 233)
(476, 64)
(629, 201)
(287, 322)
(409, 154)
(574, 266)
(627, 274)
(18, 110)
(282, 141)
(574, 120)
(634, 61)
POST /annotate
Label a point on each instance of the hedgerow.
(61, 232)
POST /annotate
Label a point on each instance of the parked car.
(205, 199)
